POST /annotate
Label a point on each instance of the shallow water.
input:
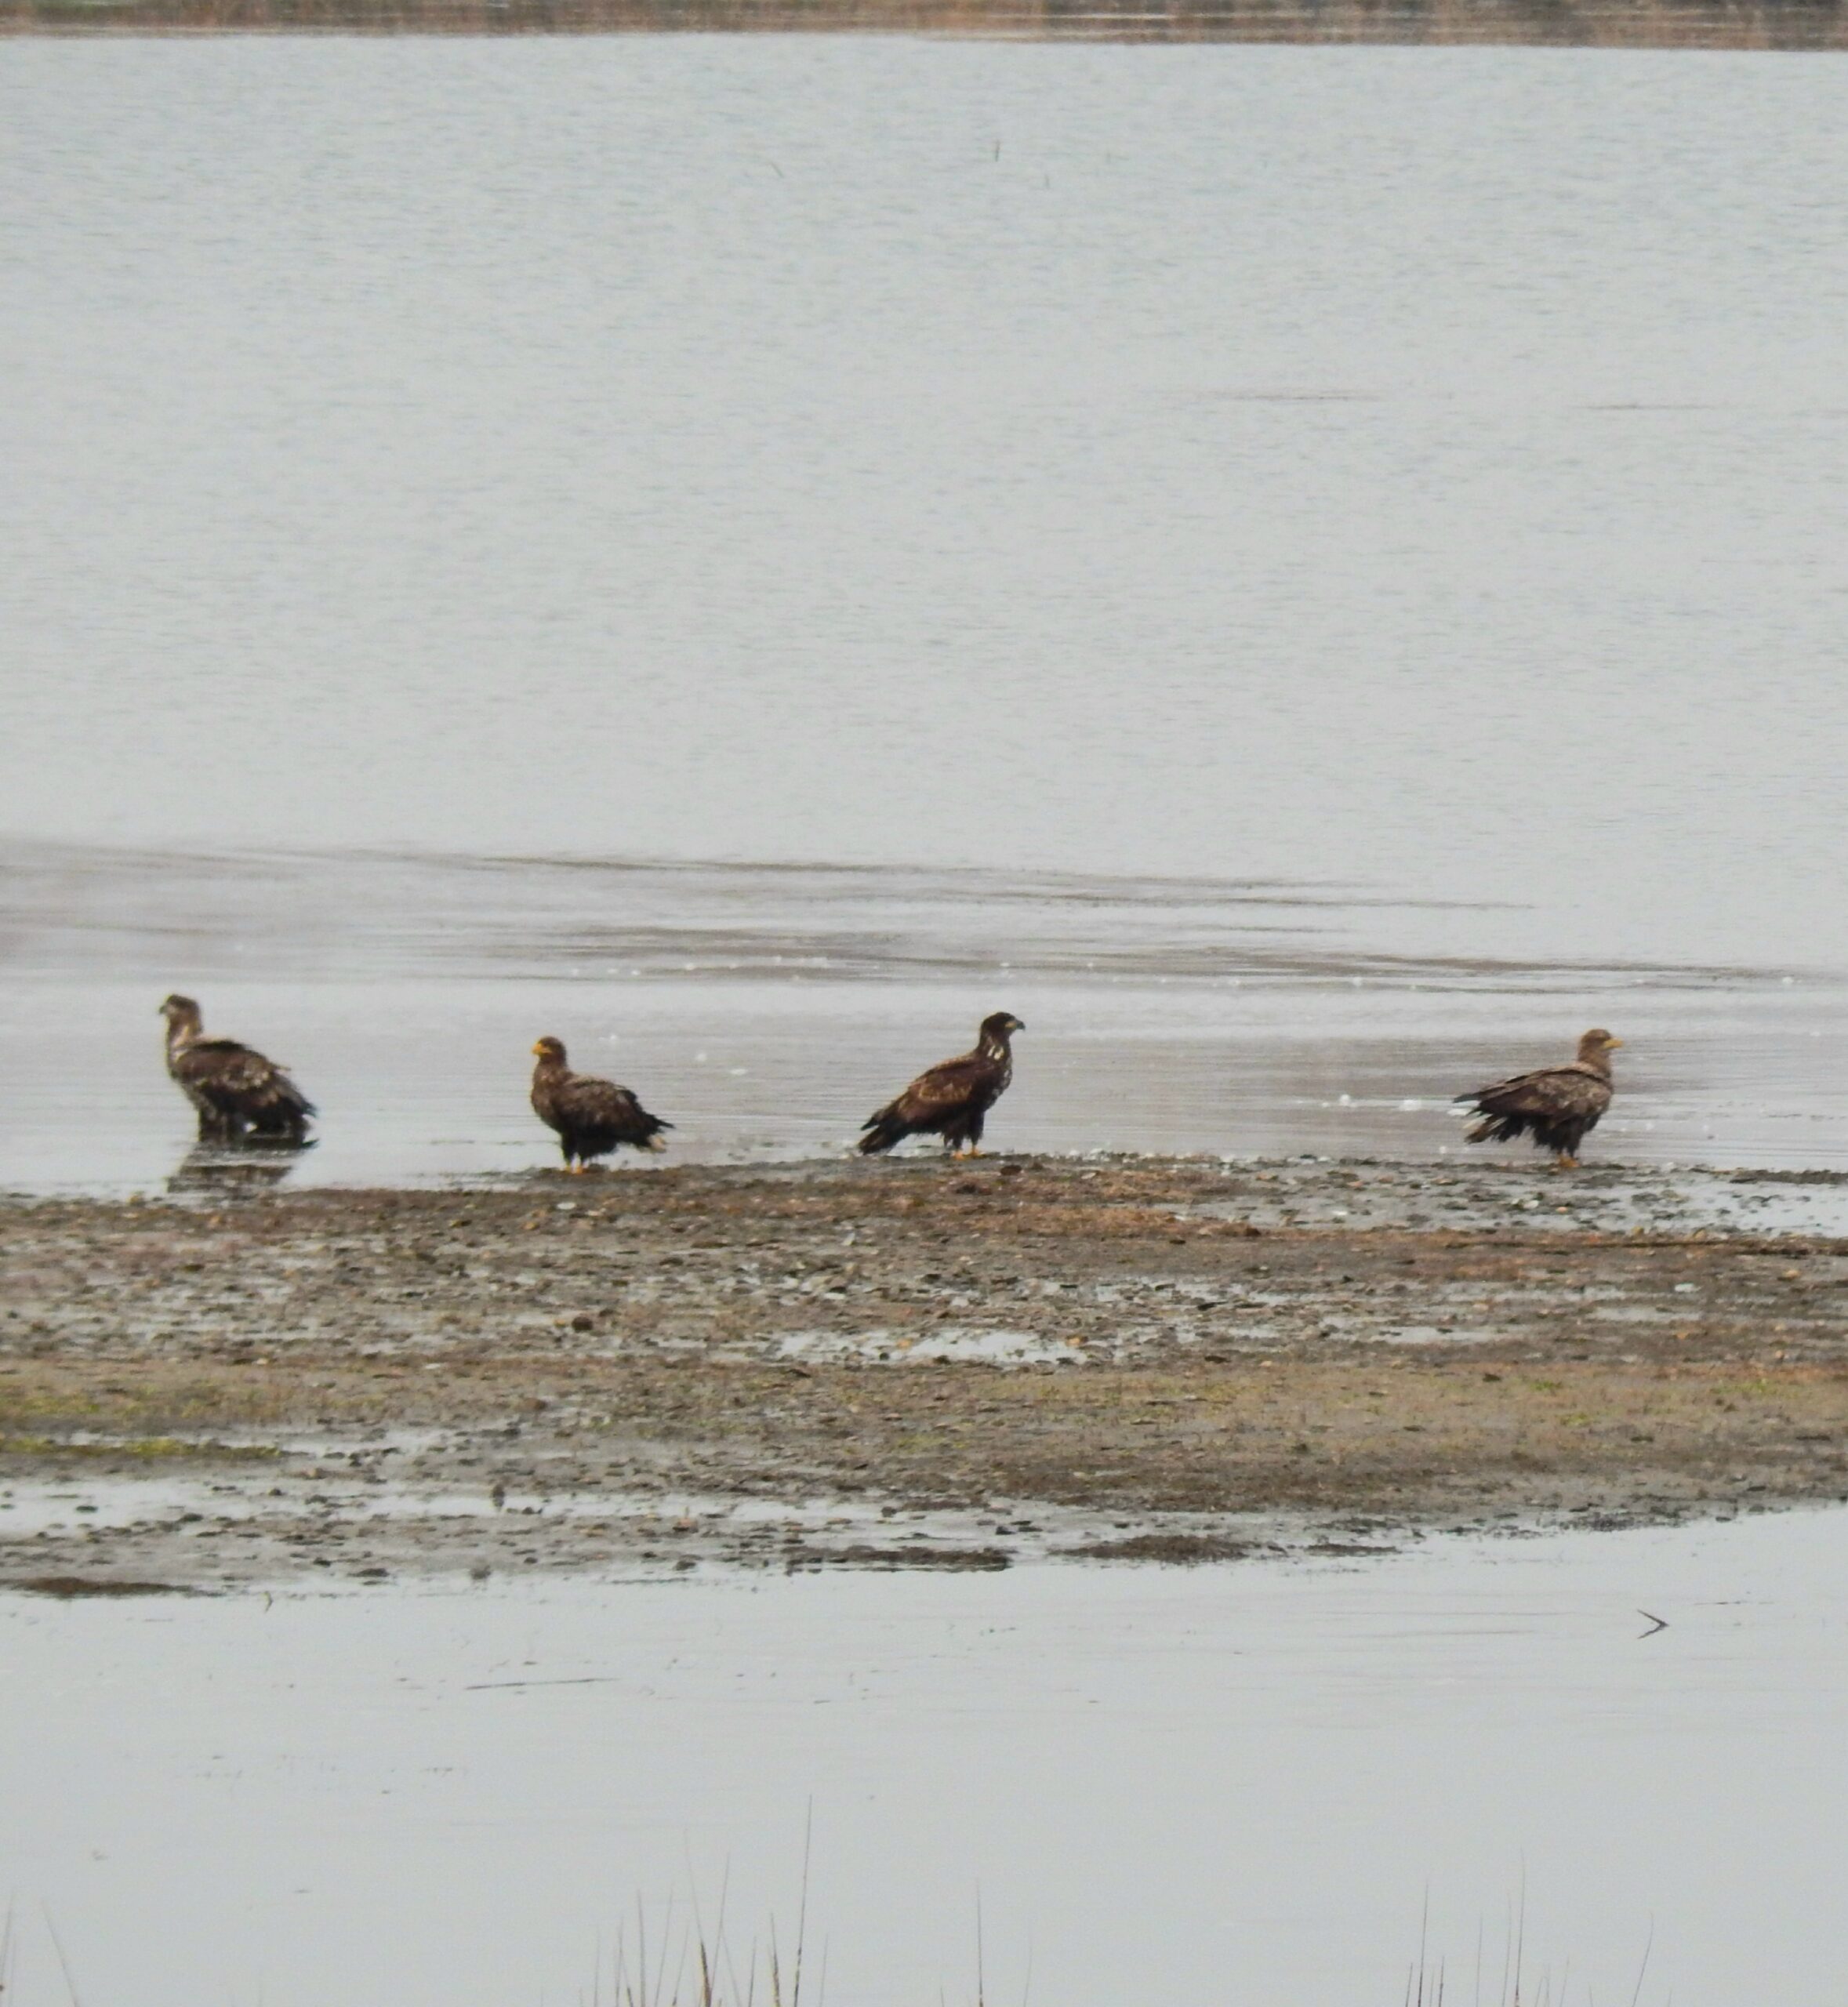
(765, 1011)
(1239, 1783)
(1390, 492)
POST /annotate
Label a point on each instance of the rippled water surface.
(765, 1011)
(1395, 492)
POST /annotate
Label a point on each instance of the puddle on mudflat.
(1489, 1190)
(1164, 1784)
(228, 1533)
(977, 1344)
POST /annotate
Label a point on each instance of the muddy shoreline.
(1740, 24)
(899, 1365)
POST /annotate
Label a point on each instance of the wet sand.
(903, 1364)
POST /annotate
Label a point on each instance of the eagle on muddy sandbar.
(592, 1117)
(951, 1100)
(1558, 1106)
(238, 1095)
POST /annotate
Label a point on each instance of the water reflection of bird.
(209, 1167)
(239, 1095)
(1558, 1106)
(592, 1117)
(951, 1100)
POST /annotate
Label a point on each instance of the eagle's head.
(180, 1010)
(999, 1028)
(1596, 1047)
(550, 1050)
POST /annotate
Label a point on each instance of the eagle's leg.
(1565, 1161)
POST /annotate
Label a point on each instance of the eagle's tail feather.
(882, 1131)
(1497, 1126)
(286, 1113)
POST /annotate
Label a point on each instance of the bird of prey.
(592, 1117)
(1558, 1106)
(238, 1095)
(951, 1100)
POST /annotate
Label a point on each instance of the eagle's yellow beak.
(1615, 1043)
(539, 1050)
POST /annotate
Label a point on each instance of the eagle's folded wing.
(236, 1080)
(229, 1068)
(589, 1100)
(1550, 1093)
(941, 1090)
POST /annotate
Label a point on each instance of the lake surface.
(1304, 518)
(1242, 1782)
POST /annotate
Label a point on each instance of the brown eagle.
(1559, 1106)
(240, 1095)
(953, 1100)
(592, 1117)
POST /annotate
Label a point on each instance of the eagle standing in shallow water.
(239, 1094)
(952, 1100)
(1559, 1106)
(592, 1117)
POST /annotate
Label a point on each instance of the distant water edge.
(1769, 24)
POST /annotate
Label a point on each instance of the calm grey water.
(1407, 482)
(1224, 1784)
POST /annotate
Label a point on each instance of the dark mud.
(1791, 24)
(907, 1363)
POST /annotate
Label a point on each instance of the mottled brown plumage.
(1558, 1106)
(953, 1100)
(592, 1117)
(239, 1096)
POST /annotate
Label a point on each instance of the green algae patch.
(150, 1448)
